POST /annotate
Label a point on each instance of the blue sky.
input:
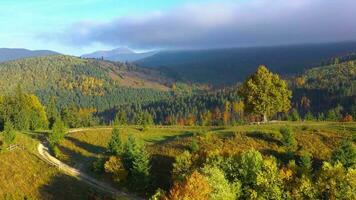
(23, 21)
(81, 26)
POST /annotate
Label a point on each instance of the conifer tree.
(115, 145)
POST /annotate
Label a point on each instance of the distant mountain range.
(119, 54)
(7, 54)
(228, 66)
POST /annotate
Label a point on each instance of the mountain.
(119, 54)
(7, 54)
(84, 82)
(228, 66)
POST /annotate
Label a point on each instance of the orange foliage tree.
(195, 186)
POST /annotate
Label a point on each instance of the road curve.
(47, 157)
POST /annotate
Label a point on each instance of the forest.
(250, 140)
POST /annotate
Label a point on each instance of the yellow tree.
(264, 93)
(195, 186)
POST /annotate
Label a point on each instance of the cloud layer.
(211, 25)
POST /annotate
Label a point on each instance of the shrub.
(56, 151)
(335, 182)
(345, 153)
(309, 116)
(98, 165)
(347, 118)
(294, 116)
(115, 166)
(182, 165)
(194, 147)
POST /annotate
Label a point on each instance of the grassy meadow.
(23, 175)
(80, 149)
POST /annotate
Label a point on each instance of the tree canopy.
(264, 93)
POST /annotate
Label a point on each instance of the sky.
(82, 26)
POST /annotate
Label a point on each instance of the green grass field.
(23, 175)
(81, 148)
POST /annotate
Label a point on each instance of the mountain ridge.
(10, 54)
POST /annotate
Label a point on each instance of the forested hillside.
(83, 82)
(228, 66)
(330, 86)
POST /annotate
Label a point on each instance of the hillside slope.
(82, 82)
(7, 54)
(228, 66)
(329, 86)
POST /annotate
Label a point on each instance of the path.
(46, 156)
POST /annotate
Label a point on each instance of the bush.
(182, 165)
(345, 153)
(98, 165)
(309, 116)
(56, 151)
(115, 166)
(347, 118)
(194, 147)
(335, 182)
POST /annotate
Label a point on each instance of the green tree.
(182, 165)
(115, 145)
(9, 133)
(306, 162)
(264, 93)
(345, 153)
(309, 116)
(288, 138)
(259, 177)
(221, 188)
(120, 118)
(52, 112)
(137, 161)
(57, 134)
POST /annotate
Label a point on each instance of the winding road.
(47, 157)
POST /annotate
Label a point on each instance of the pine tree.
(137, 161)
(115, 145)
(58, 132)
(52, 112)
(9, 134)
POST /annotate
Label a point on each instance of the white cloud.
(244, 23)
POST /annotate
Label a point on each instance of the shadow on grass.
(66, 187)
(161, 171)
(167, 139)
(76, 159)
(263, 136)
(86, 146)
